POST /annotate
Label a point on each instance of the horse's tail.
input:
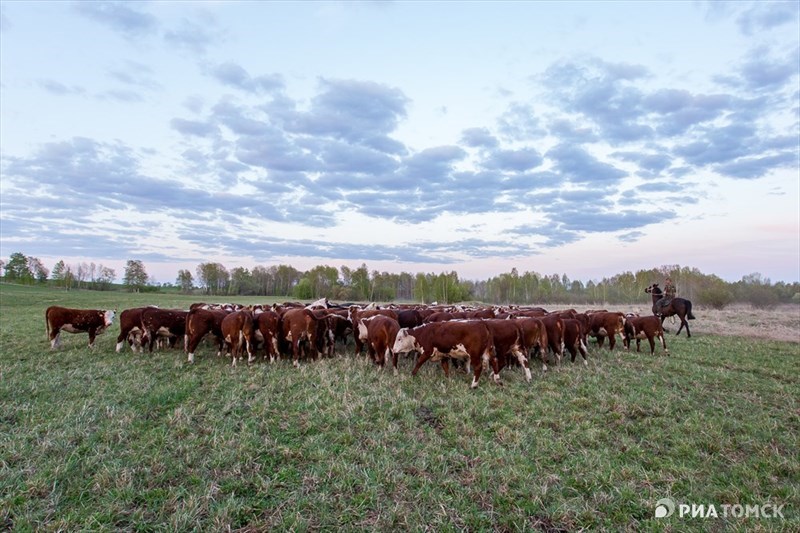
(689, 314)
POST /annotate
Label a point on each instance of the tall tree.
(135, 275)
(185, 281)
(105, 277)
(38, 269)
(17, 268)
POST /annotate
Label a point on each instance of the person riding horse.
(669, 294)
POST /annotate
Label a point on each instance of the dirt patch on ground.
(782, 323)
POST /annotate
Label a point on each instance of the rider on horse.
(669, 294)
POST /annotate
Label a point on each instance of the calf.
(573, 339)
(508, 340)
(379, 332)
(130, 328)
(356, 313)
(166, 323)
(606, 324)
(199, 323)
(268, 329)
(470, 340)
(238, 330)
(644, 327)
(91, 321)
(299, 328)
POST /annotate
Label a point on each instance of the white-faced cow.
(509, 340)
(438, 341)
(199, 323)
(91, 321)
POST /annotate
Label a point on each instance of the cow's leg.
(477, 368)
(55, 338)
(296, 352)
(584, 353)
(394, 359)
(652, 341)
(92, 336)
(489, 360)
(446, 366)
(120, 341)
(420, 361)
(524, 362)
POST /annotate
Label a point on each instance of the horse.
(678, 306)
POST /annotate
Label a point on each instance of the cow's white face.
(109, 318)
(405, 342)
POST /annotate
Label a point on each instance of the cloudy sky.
(585, 138)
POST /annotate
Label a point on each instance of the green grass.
(95, 440)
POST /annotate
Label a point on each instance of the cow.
(470, 340)
(606, 324)
(356, 313)
(238, 330)
(91, 321)
(130, 329)
(644, 327)
(268, 331)
(168, 323)
(379, 332)
(199, 323)
(574, 339)
(508, 340)
(554, 325)
(409, 318)
(299, 328)
(534, 338)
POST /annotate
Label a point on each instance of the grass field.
(106, 441)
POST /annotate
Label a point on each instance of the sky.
(578, 138)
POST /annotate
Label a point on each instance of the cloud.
(479, 138)
(513, 160)
(119, 16)
(579, 166)
(756, 167)
(520, 123)
(764, 16)
(234, 75)
(195, 36)
(193, 127)
(58, 88)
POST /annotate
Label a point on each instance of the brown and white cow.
(508, 340)
(438, 341)
(574, 339)
(91, 321)
(379, 332)
(356, 313)
(163, 323)
(238, 331)
(534, 338)
(554, 325)
(644, 327)
(199, 323)
(606, 324)
(299, 329)
(268, 324)
(130, 329)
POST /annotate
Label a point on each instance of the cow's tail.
(689, 314)
(47, 323)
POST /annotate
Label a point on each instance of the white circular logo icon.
(665, 507)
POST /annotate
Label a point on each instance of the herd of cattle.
(485, 337)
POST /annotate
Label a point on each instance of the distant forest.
(344, 284)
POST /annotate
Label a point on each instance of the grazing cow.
(199, 323)
(644, 327)
(238, 329)
(268, 325)
(341, 328)
(508, 340)
(606, 324)
(91, 321)
(165, 323)
(470, 340)
(379, 332)
(299, 328)
(130, 328)
(409, 318)
(573, 339)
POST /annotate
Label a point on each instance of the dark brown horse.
(678, 306)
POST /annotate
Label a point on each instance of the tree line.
(360, 284)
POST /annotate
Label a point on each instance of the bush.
(761, 297)
(715, 297)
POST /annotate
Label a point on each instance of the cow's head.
(405, 342)
(108, 317)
